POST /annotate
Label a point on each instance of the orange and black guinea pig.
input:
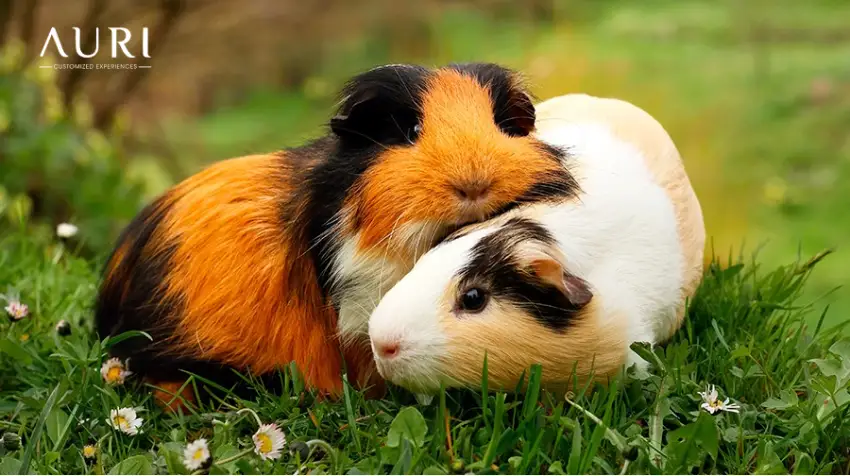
(259, 261)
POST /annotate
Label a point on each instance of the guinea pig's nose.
(388, 350)
(472, 190)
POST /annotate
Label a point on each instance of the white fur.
(369, 275)
(620, 236)
(408, 314)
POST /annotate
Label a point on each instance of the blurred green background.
(755, 93)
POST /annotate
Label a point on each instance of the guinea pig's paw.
(424, 399)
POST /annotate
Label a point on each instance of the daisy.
(269, 441)
(66, 230)
(17, 310)
(89, 453)
(125, 419)
(712, 405)
(196, 455)
(114, 372)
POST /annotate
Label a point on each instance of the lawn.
(746, 334)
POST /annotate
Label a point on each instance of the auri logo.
(119, 37)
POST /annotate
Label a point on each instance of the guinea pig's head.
(433, 149)
(501, 290)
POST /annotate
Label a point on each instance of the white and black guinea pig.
(568, 284)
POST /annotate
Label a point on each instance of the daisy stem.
(325, 446)
(234, 457)
(252, 412)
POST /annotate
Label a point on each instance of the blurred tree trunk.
(73, 79)
(28, 28)
(543, 11)
(5, 19)
(171, 10)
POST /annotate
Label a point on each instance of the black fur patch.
(556, 185)
(513, 109)
(381, 107)
(141, 307)
(495, 268)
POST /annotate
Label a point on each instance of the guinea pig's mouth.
(415, 373)
(471, 217)
(460, 228)
(448, 233)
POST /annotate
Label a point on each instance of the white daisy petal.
(66, 230)
(17, 310)
(125, 420)
(269, 441)
(114, 372)
(712, 405)
(196, 454)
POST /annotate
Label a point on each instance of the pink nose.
(387, 350)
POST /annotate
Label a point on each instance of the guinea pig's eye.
(473, 300)
(414, 133)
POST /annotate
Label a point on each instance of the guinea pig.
(263, 260)
(568, 284)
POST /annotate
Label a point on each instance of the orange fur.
(513, 342)
(226, 221)
(168, 396)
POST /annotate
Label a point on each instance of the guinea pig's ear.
(380, 106)
(550, 271)
(350, 104)
(516, 114)
(513, 105)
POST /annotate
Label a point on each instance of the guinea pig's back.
(637, 127)
(213, 271)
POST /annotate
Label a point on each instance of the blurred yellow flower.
(90, 452)
(775, 190)
(317, 88)
(82, 114)
(13, 53)
(4, 119)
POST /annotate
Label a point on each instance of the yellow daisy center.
(265, 443)
(199, 454)
(119, 420)
(88, 451)
(113, 373)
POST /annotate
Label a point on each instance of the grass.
(746, 333)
